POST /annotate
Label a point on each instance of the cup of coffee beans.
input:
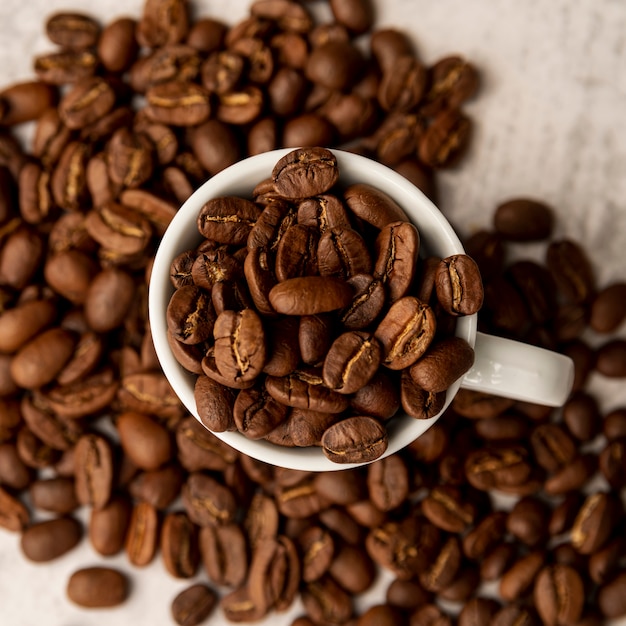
(316, 311)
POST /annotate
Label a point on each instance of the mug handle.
(516, 370)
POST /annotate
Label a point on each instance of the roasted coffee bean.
(190, 315)
(458, 285)
(228, 220)
(317, 549)
(416, 401)
(257, 413)
(559, 595)
(478, 611)
(351, 361)
(304, 173)
(179, 545)
(445, 141)
(388, 482)
(207, 502)
(594, 523)
(405, 332)
(145, 442)
(54, 494)
(519, 578)
(444, 362)
(240, 348)
(355, 440)
(611, 597)
(326, 602)
(72, 30)
(26, 101)
(108, 526)
(14, 474)
(611, 359)
(523, 219)
(527, 521)
(607, 308)
(444, 508)
(452, 81)
(224, 554)
(93, 467)
(403, 85)
(571, 270)
(117, 46)
(193, 605)
(497, 468)
(48, 540)
(215, 404)
(379, 398)
(309, 295)
(97, 587)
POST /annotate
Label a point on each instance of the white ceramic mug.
(502, 367)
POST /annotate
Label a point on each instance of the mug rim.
(239, 179)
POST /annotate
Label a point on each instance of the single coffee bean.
(179, 545)
(228, 220)
(519, 578)
(571, 270)
(26, 101)
(224, 554)
(478, 611)
(193, 605)
(458, 285)
(326, 602)
(306, 172)
(607, 308)
(388, 482)
(523, 219)
(97, 587)
(351, 362)
(611, 359)
(93, 467)
(145, 442)
(309, 295)
(355, 440)
(108, 526)
(240, 347)
(207, 502)
(405, 332)
(257, 413)
(559, 595)
(594, 523)
(117, 46)
(373, 206)
(443, 363)
(72, 30)
(527, 521)
(402, 86)
(54, 494)
(446, 139)
(452, 81)
(443, 507)
(48, 540)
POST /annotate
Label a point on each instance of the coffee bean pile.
(88, 420)
(317, 338)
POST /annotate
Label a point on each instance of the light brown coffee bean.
(97, 587)
(48, 540)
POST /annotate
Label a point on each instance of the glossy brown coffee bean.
(48, 540)
(146, 443)
(518, 579)
(228, 220)
(190, 315)
(193, 605)
(54, 494)
(571, 270)
(559, 595)
(178, 103)
(207, 502)
(443, 363)
(607, 308)
(108, 526)
(445, 141)
(257, 413)
(459, 285)
(309, 295)
(117, 46)
(240, 347)
(405, 332)
(351, 361)
(40, 360)
(355, 440)
(215, 404)
(72, 30)
(453, 80)
(224, 554)
(97, 587)
(23, 322)
(416, 401)
(142, 535)
(611, 359)
(179, 545)
(26, 101)
(108, 299)
(93, 463)
(306, 172)
(523, 219)
(403, 85)
(388, 482)
(444, 508)
(326, 602)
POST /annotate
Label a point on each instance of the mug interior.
(436, 236)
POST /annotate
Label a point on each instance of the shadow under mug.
(502, 367)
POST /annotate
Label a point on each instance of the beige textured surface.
(550, 123)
